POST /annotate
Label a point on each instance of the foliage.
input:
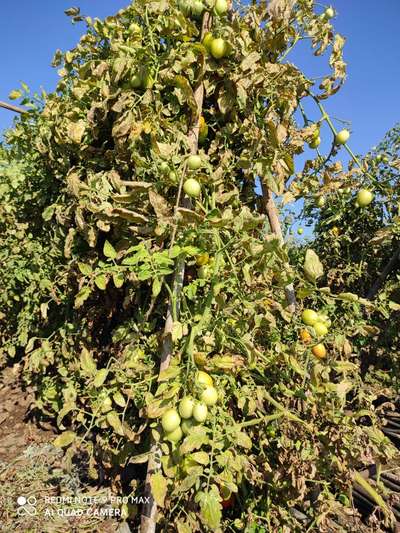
(91, 183)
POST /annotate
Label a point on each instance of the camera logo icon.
(26, 506)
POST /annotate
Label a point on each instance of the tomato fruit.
(192, 188)
(173, 177)
(164, 168)
(194, 162)
(175, 435)
(209, 396)
(136, 81)
(300, 231)
(320, 329)
(170, 420)
(342, 137)
(187, 425)
(329, 13)
(202, 378)
(315, 142)
(221, 7)
(364, 197)
(197, 8)
(319, 351)
(186, 407)
(218, 48)
(207, 40)
(200, 412)
(309, 317)
(305, 336)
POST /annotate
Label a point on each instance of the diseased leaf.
(65, 439)
(313, 268)
(159, 487)
(109, 250)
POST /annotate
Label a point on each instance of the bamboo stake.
(11, 107)
(149, 511)
(273, 217)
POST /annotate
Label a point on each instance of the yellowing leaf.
(100, 377)
(114, 421)
(65, 439)
(158, 485)
(313, 268)
(109, 250)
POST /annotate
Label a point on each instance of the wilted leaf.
(65, 439)
(313, 268)
(158, 485)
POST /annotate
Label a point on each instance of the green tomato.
(135, 28)
(202, 378)
(309, 317)
(207, 40)
(221, 7)
(197, 8)
(136, 81)
(320, 329)
(192, 188)
(174, 436)
(170, 420)
(315, 142)
(194, 162)
(188, 425)
(364, 197)
(329, 13)
(219, 48)
(342, 137)
(300, 231)
(173, 177)
(186, 407)
(209, 396)
(164, 167)
(200, 412)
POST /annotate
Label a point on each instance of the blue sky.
(30, 32)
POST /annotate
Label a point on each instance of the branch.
(273, 217)
(149, 511)
(383, 275)
(11, 107)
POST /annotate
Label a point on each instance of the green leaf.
(118, 279)
(157, 284)
(100, 377)
(82, 296)
(313, 268)
(158, 485)
(210, 508)
(114, 421)
(197, 438)
(88, 364)
(109, 250)
(200, 457)
(65, 439)
(85, 269)
(119, 399)
(101, 281)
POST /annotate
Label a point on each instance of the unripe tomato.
(187, 425)
(209, 396)
(305, 336)
(207, 40)
(186, 407)
(192, 188)
(200, 412)
(194, 162)
(218, 48)
(170, 420)
(379, 158)
(329, 13)
(315, 142)
(320, 201)
(136, 81)
(342, 137)
(173, 177)
(164, 167)
(385, 159)
(319, 351)
(202, 378)
(300, 231)
(320, 329)
(309, 317)
(364, 197)
(197, 8)
(202, 259)
(174, 436)
(221, 7)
